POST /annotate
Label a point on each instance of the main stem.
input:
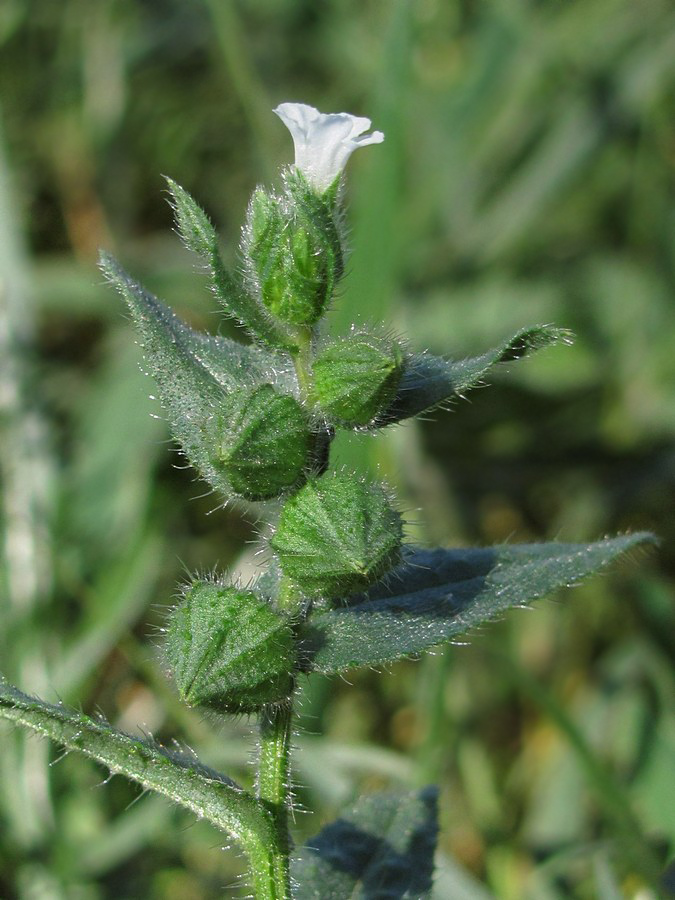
(274, 789)
(274, 771)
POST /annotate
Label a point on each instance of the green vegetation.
(525, 176)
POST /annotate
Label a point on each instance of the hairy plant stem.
(273, 781)
(274, 791)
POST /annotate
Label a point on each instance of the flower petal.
(324, 142)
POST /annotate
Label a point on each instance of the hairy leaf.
(380, 849)
(180, 777)
(171, 345)
(439, 594)
(194, 372)
(199, 235)
(431, 380)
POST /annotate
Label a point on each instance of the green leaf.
(199, 235)
(170, 343)
(194, 372)
(431, 380)
(180, 777)
(380, 849)
(440, 594)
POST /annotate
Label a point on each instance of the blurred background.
(527, 177)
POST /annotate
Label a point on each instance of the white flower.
(324, 142)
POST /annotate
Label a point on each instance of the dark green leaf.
(380, 849)
(431, 380)
(199, 235)
(440, 594)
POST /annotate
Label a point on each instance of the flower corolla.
(324, 142)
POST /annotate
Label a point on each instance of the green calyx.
(229, 649)
(293, 252)
(337, 536)
(356, 378)
(263, 442)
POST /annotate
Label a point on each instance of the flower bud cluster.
(234, 650)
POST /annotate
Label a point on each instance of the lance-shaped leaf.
(383, 847)
(430, 381)
(199, 235)
(179, 777)
(233, 364)
(194, 372)
(171, 344)
(440, 594)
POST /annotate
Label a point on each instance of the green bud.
(293, 253)
(263, 442)
(229, 649)
(265, 221)
(297, 286)
(337, 536)
(356, 379)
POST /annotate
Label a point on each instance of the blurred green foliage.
(527, 176)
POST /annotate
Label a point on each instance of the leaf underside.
(382, 848)
(430, 381)
(179, 777)
(438, 595)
